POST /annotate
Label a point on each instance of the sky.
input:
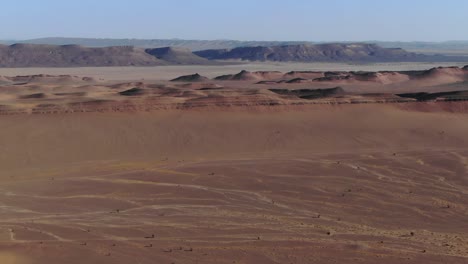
(294, 20)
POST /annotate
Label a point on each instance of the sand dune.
(66, 93)
(436, 76)
(433, 76)
(233, 171)
(304, 184)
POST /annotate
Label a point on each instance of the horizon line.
(188, 39)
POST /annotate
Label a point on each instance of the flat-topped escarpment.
(331, 52)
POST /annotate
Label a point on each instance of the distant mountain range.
(338, 52)
(41, 55)
(447, 47)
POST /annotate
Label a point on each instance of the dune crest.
(44, 93)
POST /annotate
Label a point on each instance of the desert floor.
(364, 183)
(170, 72)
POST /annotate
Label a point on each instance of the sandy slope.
(322, 184)
(234, 173)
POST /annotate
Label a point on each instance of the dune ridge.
(68, 94)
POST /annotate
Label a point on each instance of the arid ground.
(170, 72)
(213, 176)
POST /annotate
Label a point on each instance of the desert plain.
(323, 164)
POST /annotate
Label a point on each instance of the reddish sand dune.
(66, 93)
(443, 75)
(322, 184)
(232, 171)
(382, 77)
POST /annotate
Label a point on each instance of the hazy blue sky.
(324, 20)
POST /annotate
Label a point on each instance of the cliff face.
(30, 55)
(319, 53)
(34, 55)
(178, 56)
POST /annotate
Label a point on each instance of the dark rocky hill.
(446, 47)
(178, 56)
(31, 55)
(36, 55)
(358, 52)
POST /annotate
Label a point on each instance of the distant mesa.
(39, 55)
(333, 52)
(197, 45)
(191, 78)
(33, 55)
(178, 56)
